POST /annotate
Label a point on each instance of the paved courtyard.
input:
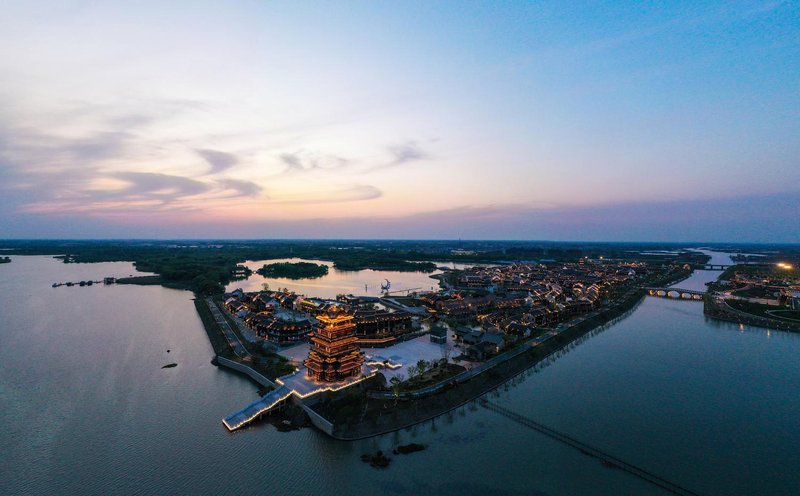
(303, 385)
(403, 354)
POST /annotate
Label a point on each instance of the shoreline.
(440, 403)
(390, 415)
(724, 312)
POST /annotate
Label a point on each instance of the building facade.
(334, 354)
(380, 327)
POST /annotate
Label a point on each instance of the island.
(297, 270)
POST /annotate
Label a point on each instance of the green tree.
(396, 381)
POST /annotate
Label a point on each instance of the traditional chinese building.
(380, 327)
(283, 327)
(334, 354)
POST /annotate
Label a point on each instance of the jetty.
(257, 408)
(297, 386)
(79, 283)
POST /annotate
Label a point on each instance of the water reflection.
(83, 393)
(360, 283)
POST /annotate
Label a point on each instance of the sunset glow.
(274, 119)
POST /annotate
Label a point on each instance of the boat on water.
(385, 287)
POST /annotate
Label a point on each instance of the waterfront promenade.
(235, 343)
(256, 408)
(297, 385)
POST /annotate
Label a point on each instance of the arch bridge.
(712, 266)
(676, 293)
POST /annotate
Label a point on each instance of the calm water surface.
(336, 282)
(87, 408)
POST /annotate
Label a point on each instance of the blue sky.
(527, 120)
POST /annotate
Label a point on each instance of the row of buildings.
(507, 303)
(494, 306)
(286, 318)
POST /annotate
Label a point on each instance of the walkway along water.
(514, 362)
(589, 450)
(233, 340)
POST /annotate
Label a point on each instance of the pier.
(297, 384)
(607, 459)
(79, 283)
(257, 408)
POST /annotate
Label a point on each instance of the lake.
(87, 408)
(336, 282)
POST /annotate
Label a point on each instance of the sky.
(629, 121)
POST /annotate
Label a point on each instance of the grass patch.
(757, 309)
(432, 376)
(756, 292)
(786, 314)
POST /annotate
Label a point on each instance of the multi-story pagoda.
(334, 354)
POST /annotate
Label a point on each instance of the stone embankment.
(718, 308)
(381, 412)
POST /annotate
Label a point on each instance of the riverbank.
(671, 279)
(720, 309)
(355, 415)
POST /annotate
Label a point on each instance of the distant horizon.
(695, 244)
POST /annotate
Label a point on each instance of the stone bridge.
(676, 293)
(712, 266)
